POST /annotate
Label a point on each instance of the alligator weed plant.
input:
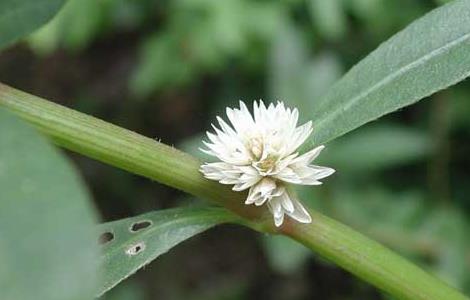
(257, 155)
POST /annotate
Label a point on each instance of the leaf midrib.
(391, 77)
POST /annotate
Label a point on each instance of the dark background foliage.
(166, 68)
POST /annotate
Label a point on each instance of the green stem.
(368, 259)
(121, 148)
(140, 155)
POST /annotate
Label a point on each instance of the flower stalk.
(146, 157)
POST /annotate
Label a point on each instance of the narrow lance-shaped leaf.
(46, 221)
(429, 55)
(131, 243)
(21, 17)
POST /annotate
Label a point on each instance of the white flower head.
(259, 153)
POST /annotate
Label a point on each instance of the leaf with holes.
(21, 17)
(46, 221)
(427, 56)
(131, 243)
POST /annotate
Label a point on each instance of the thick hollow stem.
(140, 155)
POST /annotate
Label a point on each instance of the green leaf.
(129, 244)
(47, 249)
(21, 17)
(427, 56)
(74, 28)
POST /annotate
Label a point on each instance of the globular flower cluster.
(259, 152)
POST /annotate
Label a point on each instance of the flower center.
(255, 146)
(266, 165)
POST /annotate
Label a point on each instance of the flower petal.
(300, 214)
(276, 209)
(308, 157)
(287, 203)
(264, 190)
(288, 175)
(322, 172)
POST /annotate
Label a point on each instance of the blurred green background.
(166, 68)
